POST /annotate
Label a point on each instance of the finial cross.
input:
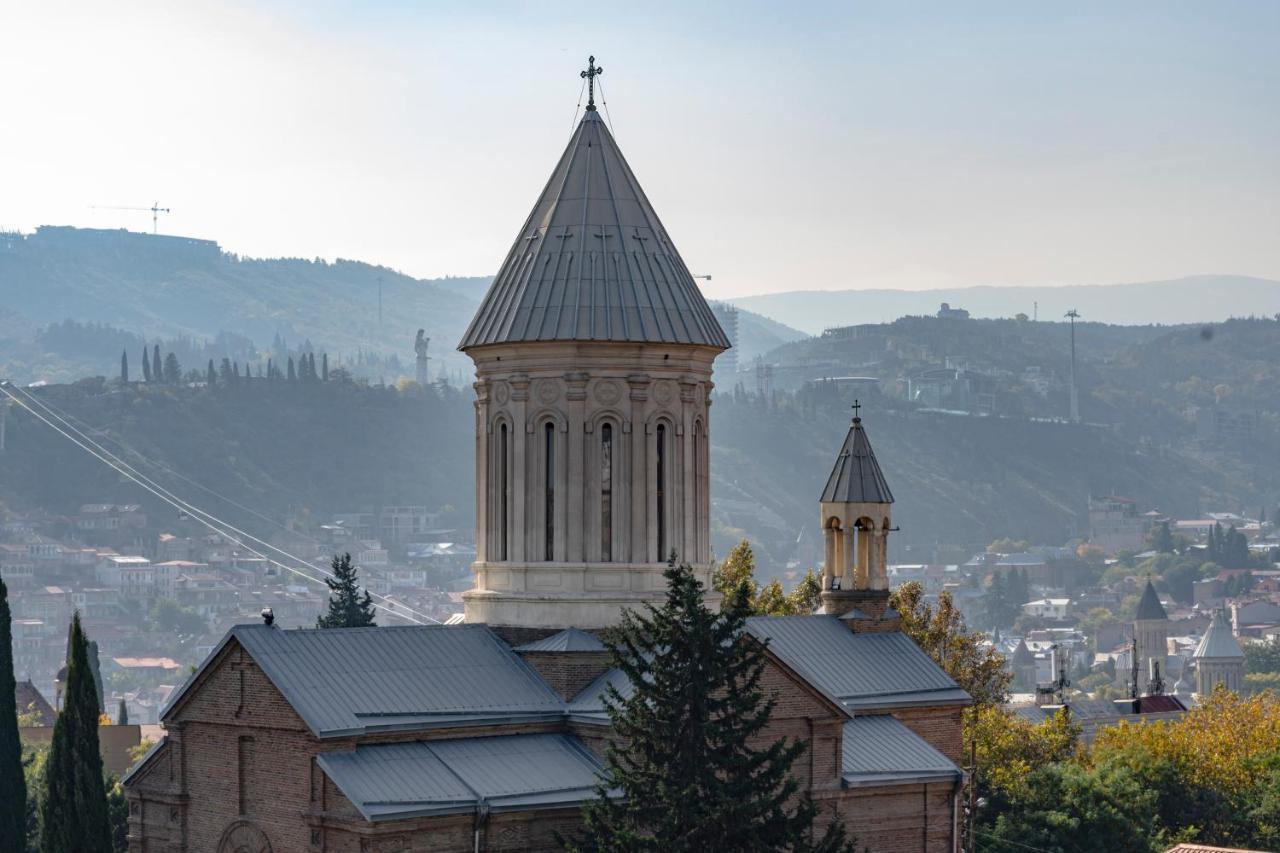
(590, 74)
(856, 406)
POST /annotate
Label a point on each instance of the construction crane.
(155, 209)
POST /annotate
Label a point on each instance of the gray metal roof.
(1218, 641)
(344, 680)
(1149, 606)
(505, 773)
(568, 640)
(856, 477)
(593, 262)
(879, 750)
(858, 670)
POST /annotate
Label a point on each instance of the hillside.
(1195, 299)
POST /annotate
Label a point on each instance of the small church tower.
(855, 526)
(1151, 631)
(1218, 658)
(593, 351)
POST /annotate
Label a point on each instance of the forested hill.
(171, 287)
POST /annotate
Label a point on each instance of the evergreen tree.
(1161, 538)
(225, 371)
(347, 608)
(683, 775)
(124, 367)
(74, 809)
(13, 785)
(311, 366)
(157, 369)
(324, 366)
(210, 376)
(146, 366)
(271, 370)
(172, 370)
(293, 374)
(122, 713)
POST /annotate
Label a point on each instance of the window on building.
(606, 493)
(549, 476)
(661, 492)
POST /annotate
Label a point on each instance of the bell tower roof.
(593, 262)
(856, 477)
(1149, 606)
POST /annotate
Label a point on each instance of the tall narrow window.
(504, 493)
(661, 493)
(606, 493)
(550, 479)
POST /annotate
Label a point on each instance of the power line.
(1013, 843)
(111, 460)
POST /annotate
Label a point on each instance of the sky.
(786, 145)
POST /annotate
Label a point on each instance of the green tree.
(347, 608)
(74, 810)
(807, 595)
(172, 370)
(157, 369)
(685, 773)
(1160, 538)
(13, 786)
(210, 375)
(942, 634)
(124, 367)
(293, 374)
(170, 616)
(122, 713)
(324, 366)
(146, 366)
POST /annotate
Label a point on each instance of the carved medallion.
(608, 392)
(663, 391)
(548, 391)
(501, 393)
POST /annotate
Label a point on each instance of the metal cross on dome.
(590, 74)
(856, 406)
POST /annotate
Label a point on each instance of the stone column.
(639, 470)
(575, 511)
(484, 524)
(688, 488)
(848, 580)
(518, 547)
(829, 563)
(879, 570)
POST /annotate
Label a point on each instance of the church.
(594, 354)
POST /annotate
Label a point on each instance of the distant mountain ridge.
(1193, 299)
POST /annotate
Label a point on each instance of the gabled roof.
(504, 773)
(593, 262)
(1149, 606)
(856, 477)
(859, 671)
(568, 640)
(1022, 655)
(879, 750)
(349, 680)
(1218, 641)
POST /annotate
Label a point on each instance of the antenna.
(155, 210)
(1073, 314)
(1133, 669)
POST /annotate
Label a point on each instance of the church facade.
(594, 351)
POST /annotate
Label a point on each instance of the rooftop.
(856, 477)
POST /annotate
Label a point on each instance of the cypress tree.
(210, 375)
(146, 366)
(293, 374)
(347, 608)
(13, 785)
(74, 810)
(311, 366)
(684, 775)
(324, 366)
(157, 368)
(124, 367)
(122, 713)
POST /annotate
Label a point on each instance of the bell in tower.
(855, 526)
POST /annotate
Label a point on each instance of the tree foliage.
(13, 786)
(347, 607)
(74, 808)
(691, 769)
(941, 632)
(739, 569)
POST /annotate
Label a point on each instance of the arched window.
(504, 492)
(549, 476)
(661, 492)
(606, 493)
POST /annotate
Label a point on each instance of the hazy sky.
(785, 145)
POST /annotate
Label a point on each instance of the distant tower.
(728, 317)
(1151, 633)
(1218, 658)
(1075, 394)
(1024, 668)
(420, 347)
(855, 526)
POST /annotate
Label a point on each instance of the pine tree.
(347, 608)
(122, 713)
(157, 369)
(324, 367)
(124, 367)
(172, 370)
(293, 374)
(13, 785)
(74, 810)
(311, 367)
(683, 775)
(146, 366)
(210, 375)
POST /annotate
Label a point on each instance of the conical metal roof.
(1218, 641)
(593, 262)
(1149, 606)
(856, 477)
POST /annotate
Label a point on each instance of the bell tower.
(593, 351)
(855, 515)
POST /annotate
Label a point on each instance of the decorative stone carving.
(663, 391)
(243, 836)
(608, 392)
(501, 393)
(548, 391)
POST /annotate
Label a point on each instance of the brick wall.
(900, 819)
(939, 726)
(567, 672)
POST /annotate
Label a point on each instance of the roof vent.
(268, 617)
